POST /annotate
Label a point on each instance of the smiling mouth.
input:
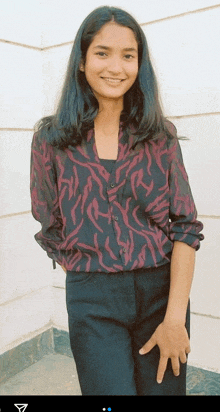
(111, 80)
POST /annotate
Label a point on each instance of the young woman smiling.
(109, 186)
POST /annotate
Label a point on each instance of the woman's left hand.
(173, 342)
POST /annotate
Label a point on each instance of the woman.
(109, 186)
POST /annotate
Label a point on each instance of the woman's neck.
(108, 119)
(106, 127)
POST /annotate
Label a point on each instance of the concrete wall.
(183, 38)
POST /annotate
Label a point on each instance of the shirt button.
(124, 250)
(112, 185)
(115, 217)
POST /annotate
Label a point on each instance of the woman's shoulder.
(171, 128)
(166, 138)
(40, 144)
(38, 139)
(44, 131)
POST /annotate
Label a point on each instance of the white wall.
(183, 38)
(25, 278)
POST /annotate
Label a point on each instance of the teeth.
(113, 80)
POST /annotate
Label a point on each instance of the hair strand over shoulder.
(78, 107)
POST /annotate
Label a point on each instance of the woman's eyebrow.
(109, 48)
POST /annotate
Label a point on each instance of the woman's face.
(111, 70)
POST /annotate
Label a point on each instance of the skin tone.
(116, 63)
(171, 335)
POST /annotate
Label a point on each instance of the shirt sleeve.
(184, 225)
(44, 198)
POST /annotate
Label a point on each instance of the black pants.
(111, 316)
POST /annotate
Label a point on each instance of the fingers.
(163, 365)
(161, 368)
(183, 357)
(175, 362)
(175, 366)
(188, 349)
(148, 346)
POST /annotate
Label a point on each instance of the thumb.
(148, 346)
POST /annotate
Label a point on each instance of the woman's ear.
(81, 66)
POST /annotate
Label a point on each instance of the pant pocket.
(78, 277)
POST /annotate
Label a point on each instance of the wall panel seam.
(29, 211)
(141, 24)
(26, 295)
(185, 116)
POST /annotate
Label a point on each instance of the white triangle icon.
(21, 406)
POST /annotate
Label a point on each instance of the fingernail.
(159, 381)
(141, 351)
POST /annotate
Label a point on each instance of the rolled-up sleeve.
(183, 225)
(44, 198)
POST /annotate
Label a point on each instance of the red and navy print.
(96, 221)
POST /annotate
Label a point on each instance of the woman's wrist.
(176, 318)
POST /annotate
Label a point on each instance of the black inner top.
(108, 164)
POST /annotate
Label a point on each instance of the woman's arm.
(184, 231)
(181, 275)
(44, 197)
(171, 335)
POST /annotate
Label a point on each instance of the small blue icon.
(109, 409)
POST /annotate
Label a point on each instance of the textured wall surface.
(37, 38)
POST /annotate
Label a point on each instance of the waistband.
(152, 270)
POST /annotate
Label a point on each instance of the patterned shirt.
(102, 216)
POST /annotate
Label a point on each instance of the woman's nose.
(115, 65)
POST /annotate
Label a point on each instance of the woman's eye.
(127, 55)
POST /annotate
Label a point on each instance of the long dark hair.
(78, 107)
